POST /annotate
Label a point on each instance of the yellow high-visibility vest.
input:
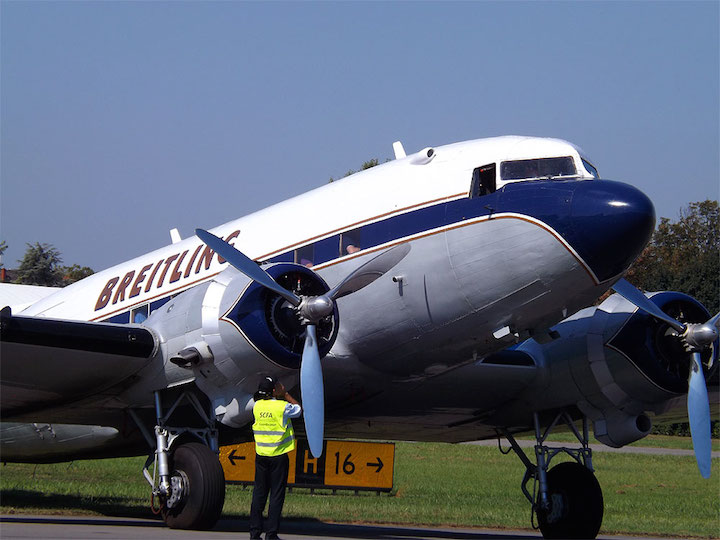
(271, 438)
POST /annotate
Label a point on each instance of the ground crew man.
(274, 438)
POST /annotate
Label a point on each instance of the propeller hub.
(314, 308)
(699, 336)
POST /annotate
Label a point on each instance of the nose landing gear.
(568, 502)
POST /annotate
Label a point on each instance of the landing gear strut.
(187, 480)
(568, 501)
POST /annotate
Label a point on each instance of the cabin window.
(327, 249)
(350, 242)
(305, 255)
(525, 169)
(589, 167)
(284, 257)
(483, 181)
(139, 314)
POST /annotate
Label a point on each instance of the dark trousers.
(270, 477)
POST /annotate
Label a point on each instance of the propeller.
(695, 337)
(310, 309)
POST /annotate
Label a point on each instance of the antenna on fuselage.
(175, 236)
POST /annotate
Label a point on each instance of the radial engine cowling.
(266, 321)
(231, 330)
(620, 363)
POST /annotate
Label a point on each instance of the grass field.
(435, 484)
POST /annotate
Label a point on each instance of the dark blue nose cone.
(612, 223)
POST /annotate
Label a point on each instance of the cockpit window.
(538, 168)
(591, 169)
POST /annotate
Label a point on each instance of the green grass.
(435, 484)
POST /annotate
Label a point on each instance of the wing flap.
(48, 362)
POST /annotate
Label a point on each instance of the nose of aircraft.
(612, 224)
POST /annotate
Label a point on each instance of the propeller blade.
(633, 295)
(311, 388)
(245, 265)
(369, 272)
(699, 415)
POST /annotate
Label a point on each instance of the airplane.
(441, 296)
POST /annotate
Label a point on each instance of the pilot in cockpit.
(531, 169)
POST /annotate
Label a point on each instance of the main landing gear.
(188, 483)
(566, 499)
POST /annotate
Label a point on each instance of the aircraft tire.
(205, 490)
(576, 503)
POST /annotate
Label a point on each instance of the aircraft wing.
(50, 362)
(18, 297)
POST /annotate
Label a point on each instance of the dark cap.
(266, 386)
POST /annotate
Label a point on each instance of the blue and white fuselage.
(509, 235)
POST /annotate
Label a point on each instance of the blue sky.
(121, 120)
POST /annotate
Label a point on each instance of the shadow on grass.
(54, 502)
(120, 512)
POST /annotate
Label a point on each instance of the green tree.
(684, 256)
(40, 266)
(71, 274)
(3, 247)
(369, 164)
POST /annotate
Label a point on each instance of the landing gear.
(187, 482)
(576, 503)
(197, 490)
(568, 501)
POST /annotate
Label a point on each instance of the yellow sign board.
(344, 464)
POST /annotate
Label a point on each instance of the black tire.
(205, 491)
(576, 503)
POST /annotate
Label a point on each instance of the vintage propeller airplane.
(437, 297)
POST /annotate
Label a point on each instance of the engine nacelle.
(619, 364)
(231, 331)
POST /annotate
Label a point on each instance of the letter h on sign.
(308, 470)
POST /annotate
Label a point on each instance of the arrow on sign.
(379, 464)
(232, 457)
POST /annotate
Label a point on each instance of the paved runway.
(104, 528)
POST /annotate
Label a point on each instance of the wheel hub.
(178, 489)
(556, 508)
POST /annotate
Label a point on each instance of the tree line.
(42, 265)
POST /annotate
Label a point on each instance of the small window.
(591, 169)
(351, 242)
(525, 169)
(284, 257)
(327, 250)
(139, 314)
(483, 181)
(305, 255)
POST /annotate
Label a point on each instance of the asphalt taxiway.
(35, 527)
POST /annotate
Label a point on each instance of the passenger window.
(483, 181)
(139, 314)
(350, 242)
(285, 257)
(305, 255)
(327, 250)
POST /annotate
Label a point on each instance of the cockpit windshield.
(538, 168)
(589, 167)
